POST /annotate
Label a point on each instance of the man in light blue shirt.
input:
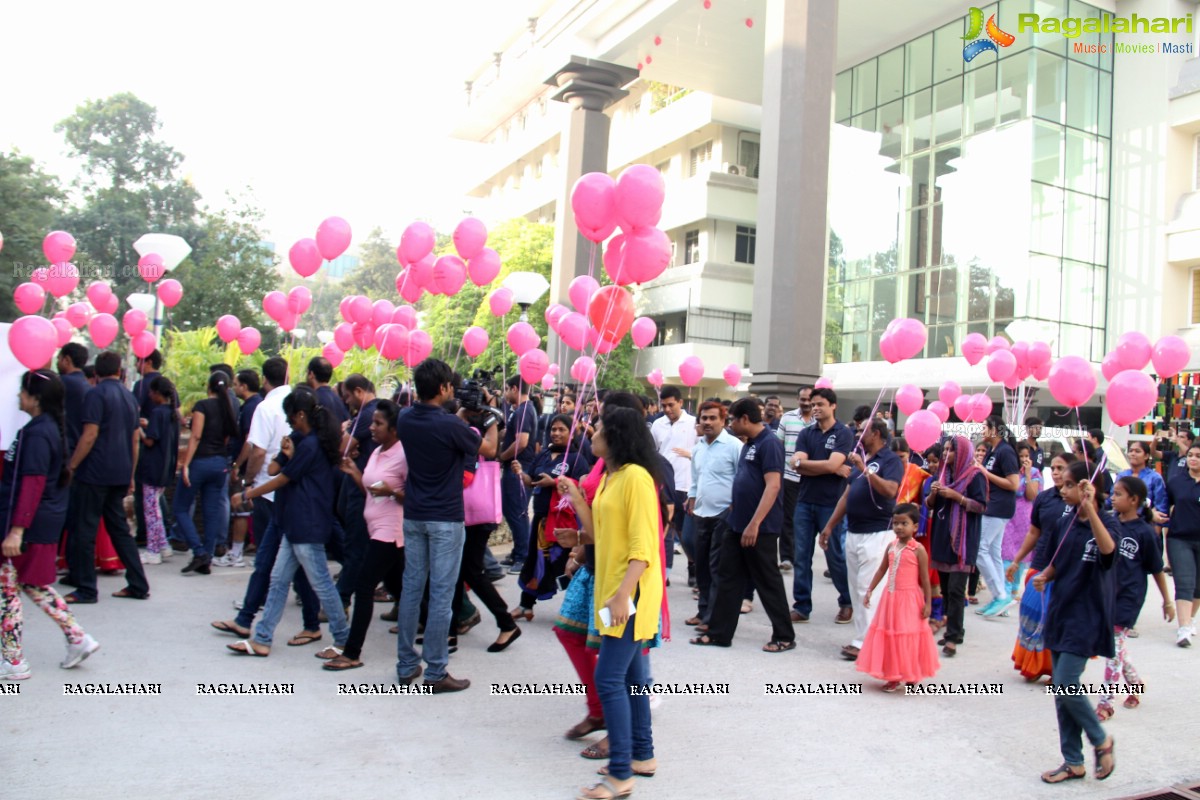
(714, 463)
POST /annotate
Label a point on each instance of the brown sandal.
(1063, 773)
(588, 725)
(1103, 752)
(341, 663)
(597, 751)
(1133, 701)
(303, 638)
(694, 621)
(643, 769)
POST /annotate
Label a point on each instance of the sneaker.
(507, 561)
(237, 604)
(986, 611)
(785, 566)
(149, 557)
(515, 569)
(998, 607)
(656, 701)
(229, 560)
(1183, 638)
(14, 672)
(166, 553)
(1132, 633)
(76, 653)
(220, 561)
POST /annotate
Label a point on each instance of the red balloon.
(611, 312)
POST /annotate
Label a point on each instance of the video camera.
(470, 395)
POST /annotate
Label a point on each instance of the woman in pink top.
(383, 483)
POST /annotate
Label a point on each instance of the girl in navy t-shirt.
(1138, 555)
(156, 465)
(1079, 619)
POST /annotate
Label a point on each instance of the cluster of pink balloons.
(229, 329)
(445, 275)
(903, 338)
(1131, 392)
(632, 202)
(602, 317)
(332, 239)
(1008, 363)
(392, 330)
(286, 309)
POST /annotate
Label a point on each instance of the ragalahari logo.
(995, 36)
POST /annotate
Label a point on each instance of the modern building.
(832, 166)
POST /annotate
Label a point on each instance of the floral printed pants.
(10, 613)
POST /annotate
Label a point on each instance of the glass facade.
(972, 195)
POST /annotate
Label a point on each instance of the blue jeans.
(809, 519)
(621, 667)
(209, 477)
(267, 536)
(514, 501)
(1075, 713)
(311, 559)
(433, 553)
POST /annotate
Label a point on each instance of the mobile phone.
(563, 581)
(606, 615)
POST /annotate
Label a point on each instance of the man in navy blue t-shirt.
(359, 393)
(821, 453)
(439, 444)
(750, 546)
(867, 505)
(520, 438)
(103, 465)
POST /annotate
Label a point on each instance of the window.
(700, 158)
(748, 147)
(743, 248)
(691, 247)
(1195, 315)
(664, 168)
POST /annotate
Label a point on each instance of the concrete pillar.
(786, 335)
(589, 87)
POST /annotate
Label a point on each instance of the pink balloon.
(62, 279)
(361, 310)
(170, 292)
(997, 343)
(580, 290)
(1039, 354)
(40, 276)
(909, 398)
(63, 328)
(554, 314)
(288, 320)
(408, 286)
(522, 338)
(343, 336)
(594, 202)
(58, 246)
(29, 297)
(613, 260)
(584, 369)
(981, 407)
(1041, 373)
(962, 407)
(275, 304)
(1072, 381)
(1133, 350)
(655, 378)
(333, 354)
(1171, 354)
(470, 236)
(333, 237)
(364, 335)
(908, 338)
(406, 316)
(691, 370)
(249, 339)
(110, 307)
(922, 430)
(547, 381)
(305, 257)
(1131, 395)
(643, 332)
(228, 328)
(949, 393)
(344, 305)
(98, 293)
(639, 196)
(1111, 365)
(415, 243)
(1020, 351)
(474, 340)
(732, 375)
(974, 348)
(553, 370)
(33, 341)
(103, 329)
(150, 267)
(422, 272)
(143, 344)
(940, 410)
(391, 341)
(1013, 381)
(1001, 364)
(134, 322)
(419, 347)
(484, 266)
(533, 365)
(645, 253)
(449, 274)
(573, 330)
(500, 301)
(823, 383)
(299, 299)
(381, 313)
(78, 314)
(887, 348)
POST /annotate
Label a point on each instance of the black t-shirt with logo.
(1001, 461)
(761, 455)
(867, 511)
(1138, 555)
(1079, 619)
(823, 490)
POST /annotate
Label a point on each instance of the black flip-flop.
(777, 646)
(707, 641)
(1049, 777)
(225, 627)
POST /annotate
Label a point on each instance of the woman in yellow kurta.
(628, 593)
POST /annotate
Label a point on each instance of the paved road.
(474, 744)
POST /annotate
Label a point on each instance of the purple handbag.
(481, 500)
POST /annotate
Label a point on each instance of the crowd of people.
(406, 492)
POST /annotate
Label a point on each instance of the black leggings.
(954, 586)
(473, 574)
(384, 562)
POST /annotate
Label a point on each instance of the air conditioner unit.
(737, 169)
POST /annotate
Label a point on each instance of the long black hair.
(48, 388)
(997, 423)
(329, 435)
(163, 386)
(218, 384)
(1137, 488)
(629, 440)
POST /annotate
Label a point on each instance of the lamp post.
(173, 250)
(527, 289)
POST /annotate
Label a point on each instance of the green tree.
(375, 275)
(130, 185)
(28, 208)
